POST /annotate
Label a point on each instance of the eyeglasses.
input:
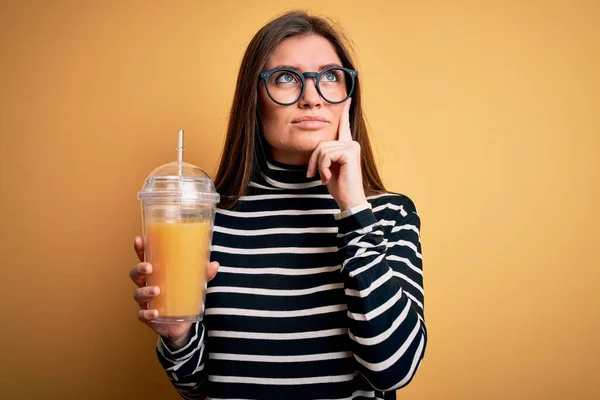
(286, 86)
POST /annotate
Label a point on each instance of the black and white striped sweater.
(308, 303)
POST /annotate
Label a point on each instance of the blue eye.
(286, 77)
(330, 77)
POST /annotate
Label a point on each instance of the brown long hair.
(244, 145)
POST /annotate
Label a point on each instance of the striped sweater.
(309, 302)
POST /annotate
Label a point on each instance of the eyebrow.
(294, 67)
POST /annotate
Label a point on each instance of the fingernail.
(155, 290)
(154, 313)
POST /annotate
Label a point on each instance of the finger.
(324, 165)
(344, 133)
(312, 162)
(343, 152)
(314, 157)
(139, 273)
(138, 245)
(338, 156)
(146, 316)
(143, 295)
(213, 268)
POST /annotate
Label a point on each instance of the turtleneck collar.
(287, 177)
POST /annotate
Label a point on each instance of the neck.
(290, 157)
(291, 176)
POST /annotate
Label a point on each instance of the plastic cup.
(178, 210)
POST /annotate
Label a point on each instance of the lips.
(310, 122)
(309, 118)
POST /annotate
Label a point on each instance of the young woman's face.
(291, 140)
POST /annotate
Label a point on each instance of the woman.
(319, 292)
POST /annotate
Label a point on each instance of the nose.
(311, 97)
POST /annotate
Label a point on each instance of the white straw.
(180, 149)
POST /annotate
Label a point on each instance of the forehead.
(305, 53)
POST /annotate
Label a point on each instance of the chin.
(314, 137)
(311, 145)
(301, 141)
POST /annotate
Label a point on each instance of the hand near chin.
(338, 162)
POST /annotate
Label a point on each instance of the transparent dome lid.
(179, 181)
(166, 183)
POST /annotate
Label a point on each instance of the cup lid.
(179, 181)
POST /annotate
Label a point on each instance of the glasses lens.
(335, 84)
(285, 86)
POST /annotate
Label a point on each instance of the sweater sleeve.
(186, 367)
(383, 283)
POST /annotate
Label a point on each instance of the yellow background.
(486, 113)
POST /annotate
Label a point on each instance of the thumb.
(213, 268)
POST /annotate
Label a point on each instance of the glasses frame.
(264, 76)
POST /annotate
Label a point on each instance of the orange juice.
(178, 252)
